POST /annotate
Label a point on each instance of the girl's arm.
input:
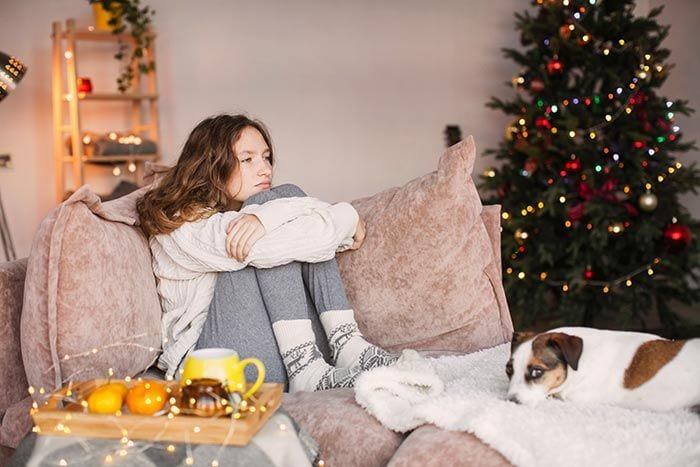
(310, 237)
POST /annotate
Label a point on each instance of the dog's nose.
(514, 398)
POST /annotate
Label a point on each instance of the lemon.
(107, 399)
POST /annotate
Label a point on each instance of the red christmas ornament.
(576, 212)
(588, 274)
(565, 32)
(503, 191)
(640, 97)
(542, 122)
(677, 237)
(530, 165)
(573, 164)
(663, 125)
(520, 144)
(536, 85)
(555, 67)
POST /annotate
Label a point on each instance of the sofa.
(428, 277)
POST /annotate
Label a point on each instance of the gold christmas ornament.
(520, 236)
(512, 130)
(648, 201)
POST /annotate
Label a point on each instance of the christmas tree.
(593, 232)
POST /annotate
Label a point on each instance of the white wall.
(356, 94)
(684, 80)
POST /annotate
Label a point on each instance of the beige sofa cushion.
(14, 382)
(89, 285)
(428, 275)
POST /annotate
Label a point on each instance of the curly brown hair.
(196, 186)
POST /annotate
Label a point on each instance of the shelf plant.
(131, 17)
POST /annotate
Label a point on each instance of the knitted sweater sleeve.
(310, 231)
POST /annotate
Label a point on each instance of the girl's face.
(254, 173)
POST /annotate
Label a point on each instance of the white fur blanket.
(467, 393)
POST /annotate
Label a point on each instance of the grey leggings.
(247, 302)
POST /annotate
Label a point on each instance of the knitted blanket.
(467, 393)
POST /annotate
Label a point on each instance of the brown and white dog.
(628, 369)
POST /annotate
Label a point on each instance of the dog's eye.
(509, 369)
(536, 373)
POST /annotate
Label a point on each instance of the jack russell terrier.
(628, 369)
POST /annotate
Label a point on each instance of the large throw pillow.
(90, 299)
(428, 274)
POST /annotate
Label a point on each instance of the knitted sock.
(306, 368)
(348, 345)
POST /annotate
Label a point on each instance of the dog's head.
(539, 364)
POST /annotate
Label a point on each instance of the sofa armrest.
(14, 400)
(13, 382)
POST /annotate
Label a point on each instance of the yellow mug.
(224, 365)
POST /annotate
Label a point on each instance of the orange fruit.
(146, 398)
(118, 386)
(107, 399)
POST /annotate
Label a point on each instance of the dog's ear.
(519, 338)
(571, 347)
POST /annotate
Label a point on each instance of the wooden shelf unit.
(67, 102)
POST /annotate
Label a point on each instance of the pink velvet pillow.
(89, 285)
(428, 275)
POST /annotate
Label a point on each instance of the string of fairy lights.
(622, 101)
(128, 446)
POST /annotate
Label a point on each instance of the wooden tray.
(63, 415)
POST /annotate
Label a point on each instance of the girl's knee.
(262, 197)
(288, 190)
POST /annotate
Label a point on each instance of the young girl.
(246, 266)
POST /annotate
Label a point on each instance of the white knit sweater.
(187, 260)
